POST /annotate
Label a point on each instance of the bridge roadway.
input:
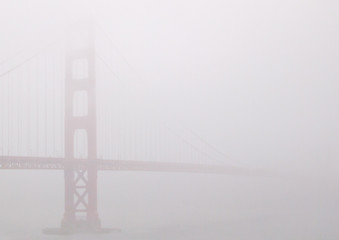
(43, 163)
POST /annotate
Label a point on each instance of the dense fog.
(253, 82)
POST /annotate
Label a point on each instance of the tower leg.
(92, 214)
(68, 221)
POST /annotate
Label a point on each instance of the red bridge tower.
(80, 126)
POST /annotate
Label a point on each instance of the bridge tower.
(80, 127)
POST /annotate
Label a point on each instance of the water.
(149, 206)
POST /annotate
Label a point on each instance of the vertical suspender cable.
(45, 103)
(38, 106)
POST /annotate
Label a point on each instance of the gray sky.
(255, 79)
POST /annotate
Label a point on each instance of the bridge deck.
(13, 162)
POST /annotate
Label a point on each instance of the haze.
(257, 80)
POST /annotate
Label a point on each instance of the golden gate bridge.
(71, 106)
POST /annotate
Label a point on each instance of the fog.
(257, 80)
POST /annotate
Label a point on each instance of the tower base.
(79, 227)
(78, 230)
